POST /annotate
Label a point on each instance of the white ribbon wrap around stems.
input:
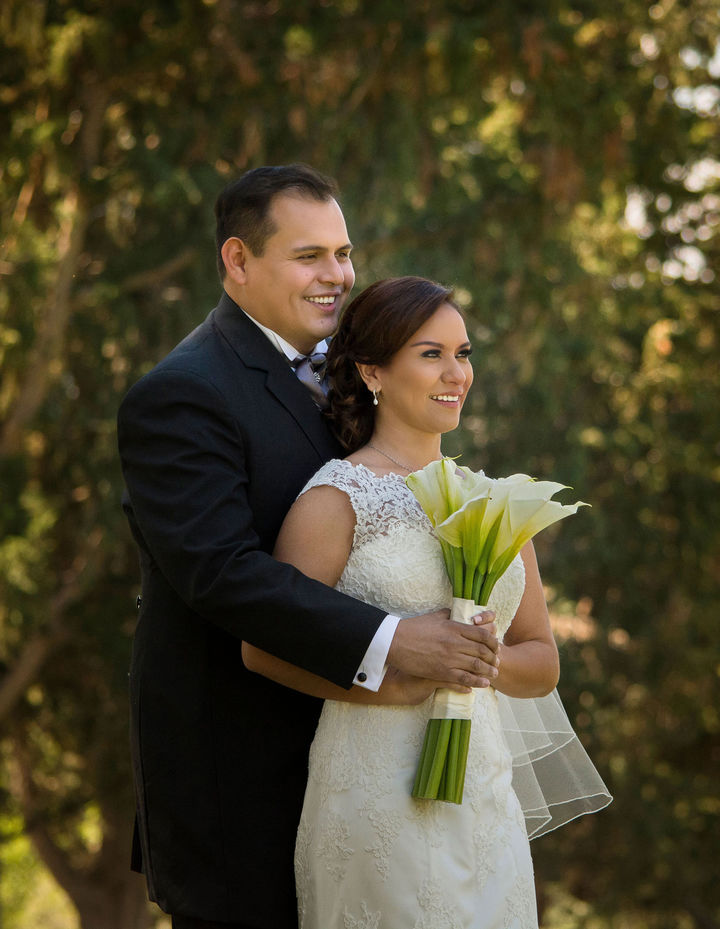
(447, 704)
(553, 777)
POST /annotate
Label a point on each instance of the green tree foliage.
(559, 164)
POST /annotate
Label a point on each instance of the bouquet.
(482, 523)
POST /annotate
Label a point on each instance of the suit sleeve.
(184, 463)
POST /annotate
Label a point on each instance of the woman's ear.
(234, 255)
(369, 375)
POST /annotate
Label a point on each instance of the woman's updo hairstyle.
(375, 325)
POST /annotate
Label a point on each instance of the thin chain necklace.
(390, 458)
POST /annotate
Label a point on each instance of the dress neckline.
(378, 477)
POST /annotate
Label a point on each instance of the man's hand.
(434, 647)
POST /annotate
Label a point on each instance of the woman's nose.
(455, 372)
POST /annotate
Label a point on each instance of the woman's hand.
(401, 689)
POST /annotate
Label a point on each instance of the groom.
(216, 442)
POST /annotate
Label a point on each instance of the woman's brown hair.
(375, 325)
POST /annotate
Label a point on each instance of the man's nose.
(332, 271)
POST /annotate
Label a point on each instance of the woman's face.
(425, 383)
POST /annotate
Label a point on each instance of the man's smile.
(323, 301)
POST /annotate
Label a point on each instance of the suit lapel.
(256, 351)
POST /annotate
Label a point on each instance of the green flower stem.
(488, 582)
(451, 765)
(447, 551)
(426, 759)
(441, 771)
(458, 571)
(464, 744)
(432, 759)
(468, 583)
(478, 579)
(442, 786)
(439, 756)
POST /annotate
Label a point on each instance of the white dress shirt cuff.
(372, 669)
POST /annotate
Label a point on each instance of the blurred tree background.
(559, 163)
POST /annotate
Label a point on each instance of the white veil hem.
(553, 777)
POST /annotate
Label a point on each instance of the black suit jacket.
(216, 442)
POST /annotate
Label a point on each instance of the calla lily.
(532, 510)
(482, 524)
(491, 528)
(441, 488)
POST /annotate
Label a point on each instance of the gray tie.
(310, 370)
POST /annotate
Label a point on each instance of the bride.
(368, 855)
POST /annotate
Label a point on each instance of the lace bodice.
(396, 562)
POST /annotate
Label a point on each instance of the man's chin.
(327, 327)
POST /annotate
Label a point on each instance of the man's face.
(299, 284)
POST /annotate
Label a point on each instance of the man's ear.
(234, 255)
(369, 374)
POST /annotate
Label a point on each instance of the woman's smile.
(429, 374)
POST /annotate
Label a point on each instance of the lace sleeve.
(382, 504)
(343, 476)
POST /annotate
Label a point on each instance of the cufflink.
(362, 676)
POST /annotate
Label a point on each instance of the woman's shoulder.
(341, 474)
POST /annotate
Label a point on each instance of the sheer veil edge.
(553, 777)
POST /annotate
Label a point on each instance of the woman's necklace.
(390, 458)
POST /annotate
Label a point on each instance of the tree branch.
(44, 358)
(39, 647)
(25, 792)
(155, 277)
(105, 892)
(28, 189)
(26, 668)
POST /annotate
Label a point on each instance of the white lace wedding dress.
(368, 855)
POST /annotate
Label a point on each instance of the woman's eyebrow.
(437, 344)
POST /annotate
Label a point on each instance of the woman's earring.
(375, 399)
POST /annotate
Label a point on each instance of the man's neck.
(281, 344)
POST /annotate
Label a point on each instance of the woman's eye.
(465, 353)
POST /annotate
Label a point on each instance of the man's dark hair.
(243, 207)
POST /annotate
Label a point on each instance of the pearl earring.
(375, 399)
